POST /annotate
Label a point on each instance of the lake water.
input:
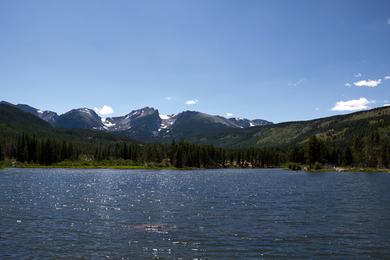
(203, 214)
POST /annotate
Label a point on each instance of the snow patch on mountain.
(85, 110)
(164, 117)
(107, 123)
(166, 122)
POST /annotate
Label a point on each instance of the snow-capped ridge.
(145, 123)
(164, 117)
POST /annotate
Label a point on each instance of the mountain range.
(145, 124)
(349, 128)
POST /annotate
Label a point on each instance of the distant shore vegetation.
(314, 155)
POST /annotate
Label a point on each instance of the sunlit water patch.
(203, 214)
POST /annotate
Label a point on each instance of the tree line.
(367, 151)
(47, 151)
(360, 151)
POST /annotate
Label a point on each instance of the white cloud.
(371, 83)
(352, 105)
(229, 114)
(317, 108)
(387, 77)
(104, 110)
(386, 105)
(358, 75)
(168, 98)
(191, 102)
(296, 83)
(348, 85)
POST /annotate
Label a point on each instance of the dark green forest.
(355, 140)
(368, 151)
(46, 151)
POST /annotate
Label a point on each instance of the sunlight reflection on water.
(193, 214)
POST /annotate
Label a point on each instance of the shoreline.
(344, 170)
(140, 167)
(97, 167)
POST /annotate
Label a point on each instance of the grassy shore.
(351, 169)
(317, 168)
(128, 165)
(91, 166)
(120, 164)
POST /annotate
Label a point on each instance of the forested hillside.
(342, 128)
(14, 121)
(361, 139)
(26, 138)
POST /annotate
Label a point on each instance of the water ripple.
(226, 214)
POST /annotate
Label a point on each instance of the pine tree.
(1, 153)
(313, 150)
(348, 157)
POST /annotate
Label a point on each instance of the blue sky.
(276, 60)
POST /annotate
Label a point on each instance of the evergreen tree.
(348, 157)
(313, 150)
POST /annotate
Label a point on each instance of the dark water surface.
(204, 214)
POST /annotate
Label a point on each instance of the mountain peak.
(145, 111)
(85, 110)
(48, 116)
(80, 118)
(145, 123)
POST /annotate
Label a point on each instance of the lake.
(201, 214)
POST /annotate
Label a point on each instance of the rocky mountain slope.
(84, 118)
(14, 121)
(148, 125)
(49, 116)
(338, 128)
(145, 124)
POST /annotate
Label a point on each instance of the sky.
(274, 60)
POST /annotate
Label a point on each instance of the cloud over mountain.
(104, 110)
(191, 102)
(352, 105)
(371, 83)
